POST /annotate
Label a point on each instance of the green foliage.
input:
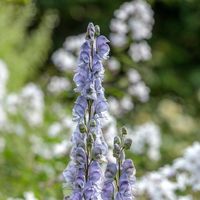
(24, 45)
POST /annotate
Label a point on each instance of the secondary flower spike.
(84, 177)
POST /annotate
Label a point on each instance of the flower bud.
(92, 123)
(124, 130)
(127, 143)
(117, 140)
(82, 128)
(90, 31)
(97, 30)
(94, 136)
(116, 151)
(90, 140)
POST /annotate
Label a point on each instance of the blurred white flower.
(188, 197)
(126, 103)
(135, 18)
(119, 107)
(65, 61)
(146, 136)
(4, 74)
(190, 164)
(58, 84)
(12, 103)
(133, 76)
(109, 126)
(140, 51)
(118, 40)
(54, 129)
(39, 147)
(73, 43)
(117, 25)
(3, 116)
(32, 104)
(114, 106)
(113, 64)
(156, 187)
(165, 182)
(65, 58)
(140, 90)
(61, 148)
(29, 196)
(139, 29)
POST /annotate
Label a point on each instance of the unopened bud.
(117, 140)
(127, 143)
(124, 130)
(90, 31)
(92, 123)
(94, 136)
(97, 30)
(90, 140)
(82, 128)
(116, 150)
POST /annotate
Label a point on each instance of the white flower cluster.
(48, 151)
(146, 138)
(113, 64)
(55, 130)
(29, 102)
(119, 107)
(188, 167)
(27, 196)
(3, 81)
(65, 58)
(3, 78)
(165, 183)
(137, 87)
(133, 20)
(109, 127)
(58, 85)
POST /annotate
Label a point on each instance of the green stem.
(119, 171)
(90, 102)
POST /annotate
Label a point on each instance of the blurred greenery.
(31, 32)
(24, 42)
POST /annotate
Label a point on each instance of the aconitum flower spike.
(89, 145)
(84, 171)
